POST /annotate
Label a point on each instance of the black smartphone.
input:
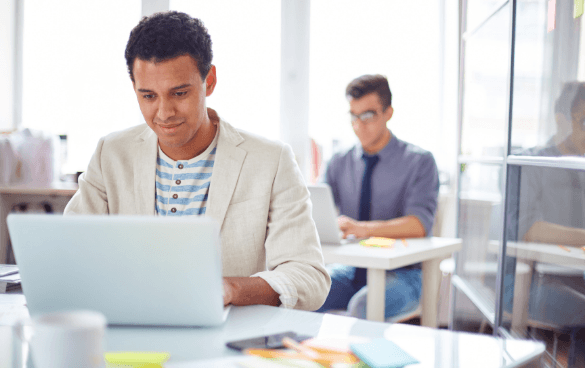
(266, 342)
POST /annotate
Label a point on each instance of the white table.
(432, 347)
(429, 251)
(10, 195)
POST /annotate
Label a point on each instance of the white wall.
(398, 39)
(7, 39)
(245, 39)
(74, 74)
(75, 80)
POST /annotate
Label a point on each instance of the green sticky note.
(135, 359)
(578, 8)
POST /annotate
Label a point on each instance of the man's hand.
(348, 226)
(398, 228)
(228, 292)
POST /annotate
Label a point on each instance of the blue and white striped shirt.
(182, 186)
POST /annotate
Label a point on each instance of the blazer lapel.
(145, 172)
(228, 162)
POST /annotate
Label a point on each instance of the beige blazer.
(257, 194)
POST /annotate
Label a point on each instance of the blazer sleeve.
(91, 197)
(292, 244)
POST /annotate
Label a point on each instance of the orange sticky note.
(564, 248)
(552, 14)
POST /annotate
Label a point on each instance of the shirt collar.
(385, 153)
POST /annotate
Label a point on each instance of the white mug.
(69, 339)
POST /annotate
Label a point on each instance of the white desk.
(429, 251)
(432, 347)
(10, 195)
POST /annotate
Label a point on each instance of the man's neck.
(378, 146)
(199, 144)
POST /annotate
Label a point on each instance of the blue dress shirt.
(404, 182)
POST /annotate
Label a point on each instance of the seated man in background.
(383, 187)
(187, 161)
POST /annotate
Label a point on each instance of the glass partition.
(485, 88)
(545, 263)
(480, 207)
(542, 277)
(549, 71)
(479, 10)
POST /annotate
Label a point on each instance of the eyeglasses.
(365, 117)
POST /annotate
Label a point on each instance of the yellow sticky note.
(378, 242)
(578, 8)
(135, 359)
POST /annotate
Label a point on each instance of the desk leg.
(4, 210)
(431, 279)
(522, 281)
(376, 303)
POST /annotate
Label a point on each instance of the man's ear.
(210, 81)
(388, 113)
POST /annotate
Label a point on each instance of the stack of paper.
(9, 278)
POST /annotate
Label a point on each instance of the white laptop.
(325, 214)
(136, 270)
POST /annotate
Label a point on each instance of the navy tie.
(360, 277)
(366, 194)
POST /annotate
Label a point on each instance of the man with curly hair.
(187, 161)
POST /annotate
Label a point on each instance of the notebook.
(136, 270)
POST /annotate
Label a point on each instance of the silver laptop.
(136, 270)
(325, 214)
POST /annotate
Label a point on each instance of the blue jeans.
(403, 290)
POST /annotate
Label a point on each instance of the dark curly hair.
(367, 84)
(166, 35)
